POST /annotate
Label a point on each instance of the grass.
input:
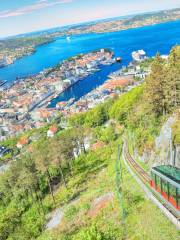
(94, 176)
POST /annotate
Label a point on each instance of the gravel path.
(100, 203)
(55, 220)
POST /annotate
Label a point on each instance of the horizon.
(81, 23)
(27, 16)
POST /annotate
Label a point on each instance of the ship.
(72, 100)
(139, 55)
(118, 59)
(68, 38)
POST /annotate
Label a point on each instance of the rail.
(144, 176)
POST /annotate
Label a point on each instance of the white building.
(58, 86)
(52, 131)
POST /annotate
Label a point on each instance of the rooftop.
(23, 141)
(53, 129)
(169, 171)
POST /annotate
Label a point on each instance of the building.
(3, 62)
(58, 86)
(61, 105)
(52, 131)
(22, 142)
(120, 82)
(41, 114)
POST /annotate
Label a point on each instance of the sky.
(21, 16)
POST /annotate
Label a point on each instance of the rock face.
(177, 157)
(165, 152)
(163, 143)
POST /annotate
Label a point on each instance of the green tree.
(173, 80)
(42, 159)
(121, 108)
(57, 156)
(155, 87)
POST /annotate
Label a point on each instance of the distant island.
(14, 48)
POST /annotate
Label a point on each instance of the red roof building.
(22, 142)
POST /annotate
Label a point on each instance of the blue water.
(153, 39)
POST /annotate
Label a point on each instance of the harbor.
(117, 83)
(27, 100)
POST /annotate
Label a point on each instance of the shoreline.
(28, 54)
(90, 32)
(125, 29)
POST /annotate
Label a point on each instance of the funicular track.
(143, 176)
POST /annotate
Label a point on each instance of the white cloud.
(31, 8)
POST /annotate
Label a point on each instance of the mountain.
(67, 186)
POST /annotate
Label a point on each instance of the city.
(24, 105)
(89, 120)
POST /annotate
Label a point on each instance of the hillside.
(74, 174)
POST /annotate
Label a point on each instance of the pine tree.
(155, 82)
(173, 80)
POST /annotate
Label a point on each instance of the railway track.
(144, 176)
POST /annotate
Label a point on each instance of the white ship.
(139, 55)
(68, 38)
